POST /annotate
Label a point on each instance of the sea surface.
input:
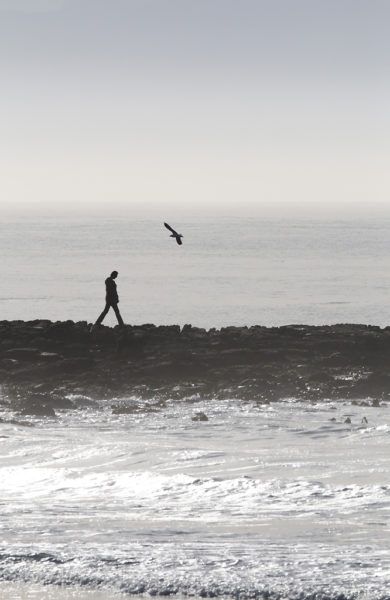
(287, 500)
(278, 501)
(229, 271)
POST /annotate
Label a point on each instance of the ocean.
(282, 501)
(229, 271)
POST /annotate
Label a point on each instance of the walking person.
(112, 300)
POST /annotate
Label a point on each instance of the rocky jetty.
(45, 363)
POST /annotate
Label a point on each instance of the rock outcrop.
(45, 361)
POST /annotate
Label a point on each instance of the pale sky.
(195, 105)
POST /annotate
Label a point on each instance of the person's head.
(114, 275)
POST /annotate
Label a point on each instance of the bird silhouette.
(174, 234)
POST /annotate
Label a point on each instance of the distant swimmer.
(174, 234)
(112, 300)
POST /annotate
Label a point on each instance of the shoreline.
(42, 363)
(19, 590)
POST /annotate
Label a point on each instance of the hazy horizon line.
(119, 209)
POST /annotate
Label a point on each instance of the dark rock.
(255, 363)
(38, 410)
(60, 402)
(200, 416)
(75, 350)
(376, 384)
(8, 363)
(74, 365)
(49, 356)
(26, 354)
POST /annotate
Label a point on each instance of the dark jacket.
(111, 293)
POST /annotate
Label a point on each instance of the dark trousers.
(114, 305)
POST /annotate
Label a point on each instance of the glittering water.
(285, 499)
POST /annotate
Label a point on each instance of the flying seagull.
(174, 234)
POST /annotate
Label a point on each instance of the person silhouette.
(112, 300)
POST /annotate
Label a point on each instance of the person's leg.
(105, 311)
(118, 314)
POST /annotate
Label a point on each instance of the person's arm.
(113, 292)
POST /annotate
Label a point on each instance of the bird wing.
(170, 228)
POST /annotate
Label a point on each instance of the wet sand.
(32, 591)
